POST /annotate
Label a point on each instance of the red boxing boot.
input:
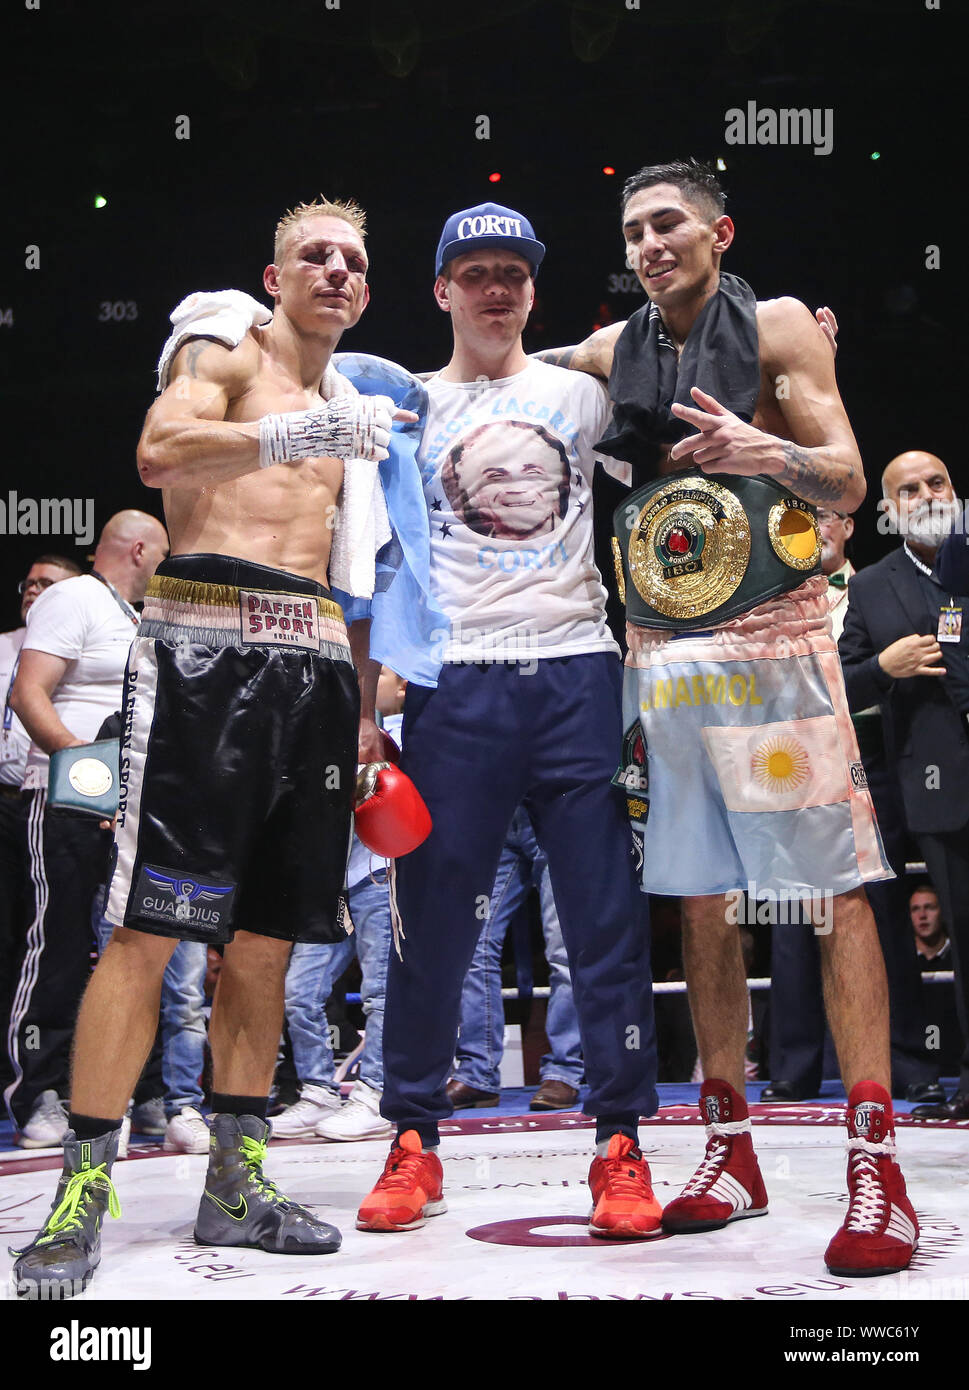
(727, 1186)
(881, 1231)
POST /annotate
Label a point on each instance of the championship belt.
(692, 551)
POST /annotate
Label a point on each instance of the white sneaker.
(358, 1118)
(149, 1117)
(299, 1121)
(47, 1124)
(187, 1132)
(124, 1137)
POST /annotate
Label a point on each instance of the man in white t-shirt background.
(69, 680)
(14, 743)
(526, 710)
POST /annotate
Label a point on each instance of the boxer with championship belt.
(734, 679)
(244, 722)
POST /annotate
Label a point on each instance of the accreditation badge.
(8, 747)
(950, 623)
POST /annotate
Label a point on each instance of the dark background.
(380, 101)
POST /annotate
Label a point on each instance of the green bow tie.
(839, 580)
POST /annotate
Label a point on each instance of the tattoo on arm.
(811, 475)
(557, 357)
(195, 350)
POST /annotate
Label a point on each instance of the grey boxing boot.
(240, 1206)
(62, 1257)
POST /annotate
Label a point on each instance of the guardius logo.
(167, 895)
(186, 889)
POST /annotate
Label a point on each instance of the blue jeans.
(315, 969)
(481, 1038)
(181, 1018)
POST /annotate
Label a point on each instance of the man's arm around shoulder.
(593, 355)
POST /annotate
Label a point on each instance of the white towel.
(226, 315)
(361, 526)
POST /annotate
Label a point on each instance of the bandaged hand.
(352, 427)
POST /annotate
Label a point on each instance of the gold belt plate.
(689, 548)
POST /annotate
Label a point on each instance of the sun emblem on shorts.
(780, 764)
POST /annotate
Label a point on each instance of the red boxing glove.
(391, 751)
(391, 817)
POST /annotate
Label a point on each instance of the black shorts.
(238, 757)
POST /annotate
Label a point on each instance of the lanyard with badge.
(950, 614)
(950, 622)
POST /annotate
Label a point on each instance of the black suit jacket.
(923, 728)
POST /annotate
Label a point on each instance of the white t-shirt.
(81, 621)
(14, 739)
(507, 471)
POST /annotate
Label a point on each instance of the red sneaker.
(410, 1189)
(881, 1231)
(623, 1201)
(727, 1186)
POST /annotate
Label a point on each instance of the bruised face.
(512, 482)
(322, 279)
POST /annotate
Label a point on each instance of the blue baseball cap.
(489, 224)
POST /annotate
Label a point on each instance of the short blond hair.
(348, 211)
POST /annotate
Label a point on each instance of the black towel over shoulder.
(720, 356)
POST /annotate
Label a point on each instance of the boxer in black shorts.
(247, 672)
(242, 734)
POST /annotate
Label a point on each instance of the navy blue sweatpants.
(488, 738)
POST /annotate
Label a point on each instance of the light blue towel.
(408, 629)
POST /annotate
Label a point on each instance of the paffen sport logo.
(279, 620)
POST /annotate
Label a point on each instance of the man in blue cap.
(526, 709)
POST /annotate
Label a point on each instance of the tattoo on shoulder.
(193, 353)
(813, 477)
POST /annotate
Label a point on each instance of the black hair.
(695, 180)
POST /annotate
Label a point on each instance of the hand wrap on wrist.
(351, 427)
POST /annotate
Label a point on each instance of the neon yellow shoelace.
(253, 1156)
(65, 1216)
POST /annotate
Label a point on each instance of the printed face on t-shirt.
(508, 480)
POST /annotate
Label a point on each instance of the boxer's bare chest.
(768, 414)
